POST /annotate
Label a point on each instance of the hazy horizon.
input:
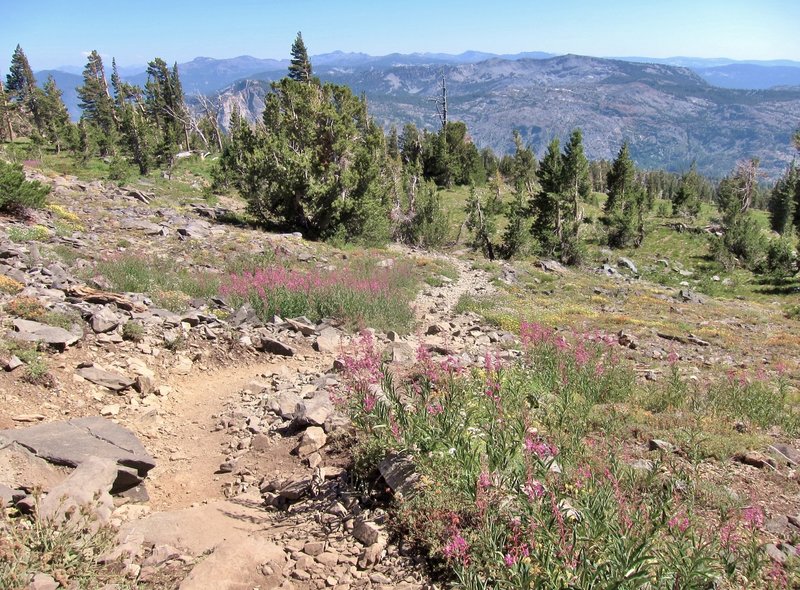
(54, 35)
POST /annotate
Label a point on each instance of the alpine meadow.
(415, 320)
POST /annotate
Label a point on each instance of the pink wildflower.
(434, 409)
(484, 480)
(536, 445)
(457, 549)
(679, 522)
(753, 517)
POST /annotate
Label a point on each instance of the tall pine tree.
(56, 126)
(624, 209)
(783, 201)
(98, 106)
(300, 65)
(21, 89)
(546, 204)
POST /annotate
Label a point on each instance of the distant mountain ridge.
(670, 114)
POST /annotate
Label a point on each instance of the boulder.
(313, 439)
(87, 488)
(628, 263)
(29, 331)
(329, 340)
(272, 346)
(314, 411)
(400, 474)
(74, 442)
(108, 379)
(105, 320)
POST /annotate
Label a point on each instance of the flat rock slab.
(86, 488)
(29, 331)
(238, 565)
(75, 441)
(19, 468)
(200, 529)
(113, 381)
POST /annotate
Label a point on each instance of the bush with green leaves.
(16, 193)
(782, 257)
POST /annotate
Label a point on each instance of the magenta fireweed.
(375, 296)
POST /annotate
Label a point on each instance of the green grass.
(170, 285)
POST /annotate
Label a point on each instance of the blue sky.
(60, 32)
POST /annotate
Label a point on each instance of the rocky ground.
(210, 439)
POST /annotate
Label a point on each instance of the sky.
(54, 33)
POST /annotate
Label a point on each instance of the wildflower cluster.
(519, 491)
(362, 297)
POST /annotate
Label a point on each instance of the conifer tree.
(624, 209)
(546, 205)
(523, 178)
(166, 109)
(98, 106)
(21, 88)
(6, 127)
(782, 203)
(576, 179)
(300, 65)
(56, 126)
(686, 200)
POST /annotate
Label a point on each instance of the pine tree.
(624, 209)
(98, 106)
(686, 200)
(300, 65)
(55, 117)
(546, 205)
(21, 88)
(782, 204)
(166, 109)
(576, 180)
(518, 209)
(317, 163)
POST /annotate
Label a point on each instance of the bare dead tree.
(748, 174)
(441, 103)
(212, 107)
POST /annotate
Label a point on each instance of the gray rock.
(313, 439)
(272, 346)
(401, 353)
(75, 441)
(238, 563)
(628, 263)
(302, 325)
(400, 474)
(86, 488)
(29, 331)
(98, 376)
(329, 340)
(785, 454)
(43, 581)
(6, 495)
(689, 296)
(314, 411)
(775, 554)
(660, 445)
(366, 532)
(105, 320)
(286, 404)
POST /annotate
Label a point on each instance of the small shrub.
(16, 193)
(119, 170)
(9, 285)
(781, 257)
(27, 308)
(37, 233)
(70, 551)
(133, 331)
